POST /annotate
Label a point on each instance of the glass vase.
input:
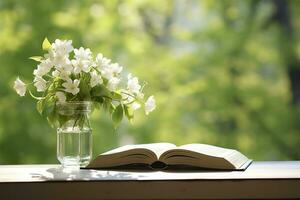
(74, 134)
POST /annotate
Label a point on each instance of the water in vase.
(74, 147)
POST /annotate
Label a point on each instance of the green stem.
(76, 122)
(143, 86)
(49, 76)
(29, 83)
(111, 98)
(35, 97)
(129, 94)
(135, 99)
(97, 70)
(130, 102)
(73, 98)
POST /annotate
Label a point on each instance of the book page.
(209, 150)
(196, 155)
(205, 156)
(159, 148)
(131, 154)
(156, 148)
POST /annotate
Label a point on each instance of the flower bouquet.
(70, 82)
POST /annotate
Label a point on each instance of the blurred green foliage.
(221, 72)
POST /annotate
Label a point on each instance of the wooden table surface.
(262, 180)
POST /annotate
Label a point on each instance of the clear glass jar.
(74, 134)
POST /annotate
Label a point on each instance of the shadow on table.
(121, 173)
(63, 174)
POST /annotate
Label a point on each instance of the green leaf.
(128, 113)
(116, 96)
(48, 107)
(36, 58)
(61, 119)
(40, 106)
(108, 106)
(117, 115)
(54, 84)
(46, 44)
(98, 100)
(53, 119)
(81, 119)
(84, 90)
(111, 108)
(100, 91)
(97, 103)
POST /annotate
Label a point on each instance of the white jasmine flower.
(101, 62)
(71, 86)
(82, 61)
(150, 105)
(61, 97)
(133, 85)
(60, 60)
(107, 73)
(63, 73)
(39, 71)
(40, 84)
(135, 106)
(20, 87)
(70, 71)
(81, 65)
(64, 64)
(46, 65)
(83, 54)
(113, 83)
(111, 71)
(116, 68)
(43, 68)
(95, 79)
(55, 73)
(66, 68)
(62, 47)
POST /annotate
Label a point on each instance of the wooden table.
(262, 180)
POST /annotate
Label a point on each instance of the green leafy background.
(223, 72)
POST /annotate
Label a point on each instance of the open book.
(162, 155)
